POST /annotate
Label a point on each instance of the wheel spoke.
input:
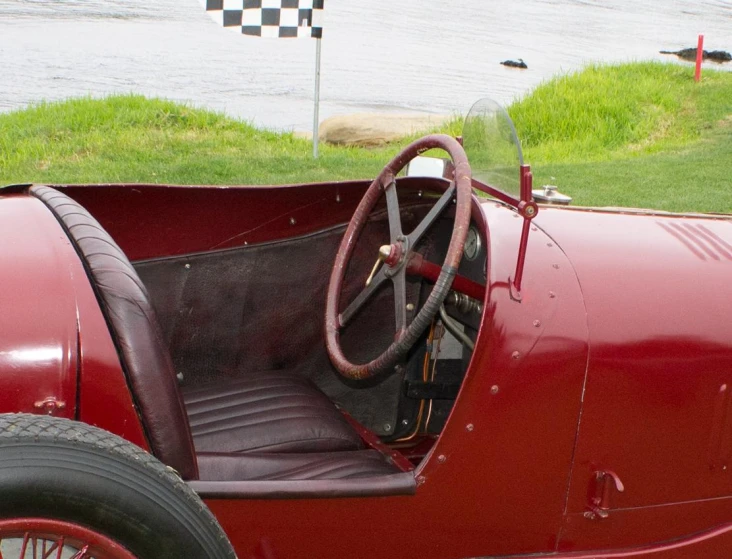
(38, 538)
(33, 547)
(59, 546)
(400, 301)
(346, 316)
(83, 553)
(392, 210)
(433, 214)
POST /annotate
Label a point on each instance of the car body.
(591, 419)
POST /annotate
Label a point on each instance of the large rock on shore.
(375, 129)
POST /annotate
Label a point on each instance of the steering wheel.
(395, 257)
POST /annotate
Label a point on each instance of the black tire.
(66, 470)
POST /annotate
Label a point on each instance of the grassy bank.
(640, 134)
(133, 139)
(643, 135)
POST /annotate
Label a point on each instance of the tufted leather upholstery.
(134, 327)
(268, 411)
(255, 466)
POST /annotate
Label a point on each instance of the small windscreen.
(493, 148)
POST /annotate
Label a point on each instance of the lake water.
(377, 55)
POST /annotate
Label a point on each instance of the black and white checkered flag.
(269, 18)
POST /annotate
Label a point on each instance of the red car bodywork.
(594, 419)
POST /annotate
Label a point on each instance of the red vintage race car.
(396, 368)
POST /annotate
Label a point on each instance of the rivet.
(338, 197)
(494, 389)
(387, 426)
(405, 422)
(469, 427)
(188, 266)
(292, 221)
(537, 323)
(555, 266)
(549, 245)
(552, 295)
(419, 194)
(410, 306)
(442, 458)
(515, 355)
(420, 480)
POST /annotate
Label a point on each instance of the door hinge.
(602, 486)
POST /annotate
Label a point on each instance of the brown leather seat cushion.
(268, 411)
(255, 466)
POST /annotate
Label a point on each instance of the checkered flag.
(269, 18)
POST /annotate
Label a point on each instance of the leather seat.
(270, 411)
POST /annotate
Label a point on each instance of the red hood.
(649, 277)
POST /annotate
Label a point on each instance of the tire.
(71, 473)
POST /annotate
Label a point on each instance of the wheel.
(395, 257)
(72, 491)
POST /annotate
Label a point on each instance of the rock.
(375, 129)
(686, 54)
(515, 63)
(718, 55)
(690, 54)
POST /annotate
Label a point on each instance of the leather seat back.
(134, 327)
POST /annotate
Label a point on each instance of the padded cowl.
(134, 327)
(268, 411)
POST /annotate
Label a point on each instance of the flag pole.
(316, 109)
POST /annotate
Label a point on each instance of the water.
(377, 55)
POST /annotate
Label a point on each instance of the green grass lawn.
(640, 134)
(643, 135)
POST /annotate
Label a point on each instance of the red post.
(699, 56)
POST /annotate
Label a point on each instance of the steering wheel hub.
(397, 256)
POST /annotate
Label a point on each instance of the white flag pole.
(316, 109)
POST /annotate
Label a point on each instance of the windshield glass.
(492, 147)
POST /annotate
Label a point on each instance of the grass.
(129, 138)
(643, 135)
(640, 134)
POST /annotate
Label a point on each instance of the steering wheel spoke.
(392, 210)
(400, 301)
(366, 293)
(431, 216)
